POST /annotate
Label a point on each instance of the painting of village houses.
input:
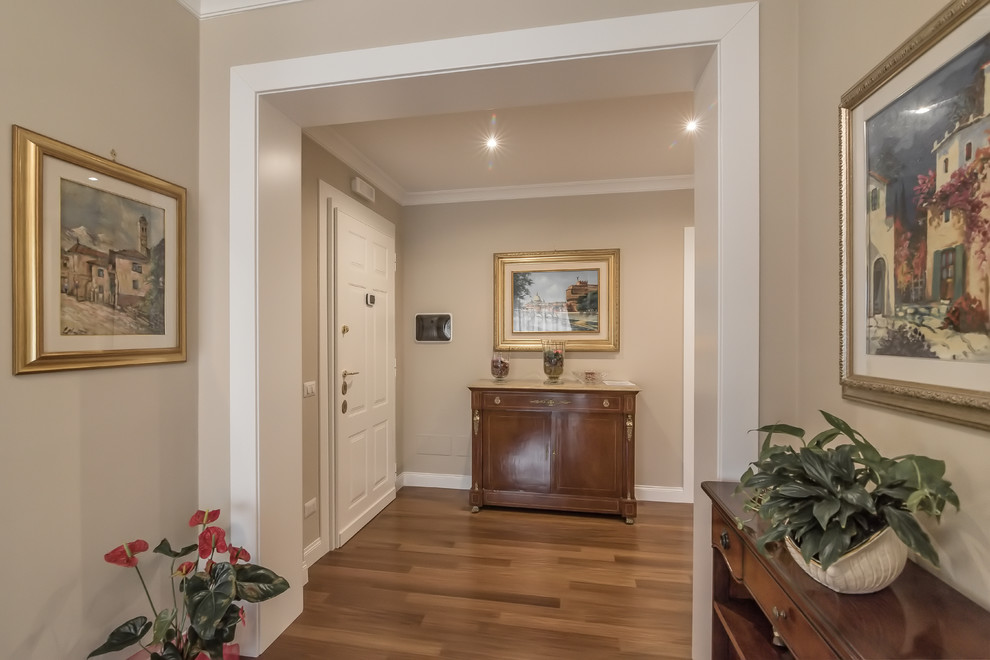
(555, 301)
(113, 264)
(928, 216)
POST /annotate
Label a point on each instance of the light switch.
(309, 388)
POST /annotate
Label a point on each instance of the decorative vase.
(500, 367)
(553, 360)
(867, 568)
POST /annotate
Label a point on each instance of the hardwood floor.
(428, 579)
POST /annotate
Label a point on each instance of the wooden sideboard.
(568, 446)
(768, 607)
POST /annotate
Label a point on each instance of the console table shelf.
(758, 600)
(568, 446)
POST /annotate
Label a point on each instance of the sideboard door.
(587, 455)
(517, 451)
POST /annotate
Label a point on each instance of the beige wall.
(319, 165)
(90, 459)
(446, 266)
(838, 42)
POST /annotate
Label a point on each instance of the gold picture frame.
(914, 159)
(99, 261)
(568, 295)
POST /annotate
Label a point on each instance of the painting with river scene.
(555, 301)
(566, 295)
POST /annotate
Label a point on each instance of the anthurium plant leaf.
(168, 652)
(165, 548)
(909, 531)
(257, 583)
(126, 634)
(163, 623)
(207, 598)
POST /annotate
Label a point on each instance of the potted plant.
(828, 502)
(203, 621)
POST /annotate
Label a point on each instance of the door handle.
(345, 374)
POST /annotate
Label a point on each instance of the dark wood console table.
(767, 607)
(568, 446)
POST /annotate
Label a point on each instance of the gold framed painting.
(915, 272)
(99, 261)
(567, 295)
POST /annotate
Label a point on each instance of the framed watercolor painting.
(568, 295)
(99, 261)
(915, 182)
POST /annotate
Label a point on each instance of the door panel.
(364, 374)
(586, 460)
(517, 451)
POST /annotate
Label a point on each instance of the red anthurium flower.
(238, 554)
(204, 517)
(210, 539)
(185, 568)
(124, 555)
(241, 615)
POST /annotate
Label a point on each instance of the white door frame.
(327, 287)
(732, 399)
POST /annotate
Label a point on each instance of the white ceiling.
(600, 124)
(610, 123)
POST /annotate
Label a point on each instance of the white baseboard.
(463, 482)
(429, 480)
(312, 554)
(664, 494)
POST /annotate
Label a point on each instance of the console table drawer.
(784, 616)
(576, 401)
(725, 537)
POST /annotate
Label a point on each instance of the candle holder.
(553, 360)
(500, 367)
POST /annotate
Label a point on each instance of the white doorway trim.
(326, 287)
(733, 28)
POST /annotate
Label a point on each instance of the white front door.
(364, 359)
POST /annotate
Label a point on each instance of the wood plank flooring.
(428, 579)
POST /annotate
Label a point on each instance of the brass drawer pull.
(779, 614)
(606, 403)
(498, 400)
(723, 540)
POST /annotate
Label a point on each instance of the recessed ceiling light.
(492, 142)
(691, 126)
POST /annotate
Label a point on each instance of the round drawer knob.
(606, 403)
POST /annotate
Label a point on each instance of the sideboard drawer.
(576, 401)
(725, 537)
(784, 616)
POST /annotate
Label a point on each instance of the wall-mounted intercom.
(432, 328)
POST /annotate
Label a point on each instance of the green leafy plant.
(209, 584)
(830, 499)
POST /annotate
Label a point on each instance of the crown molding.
(566, 189)
(348, 154)
(210, 8)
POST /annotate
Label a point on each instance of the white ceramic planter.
(867, 568)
